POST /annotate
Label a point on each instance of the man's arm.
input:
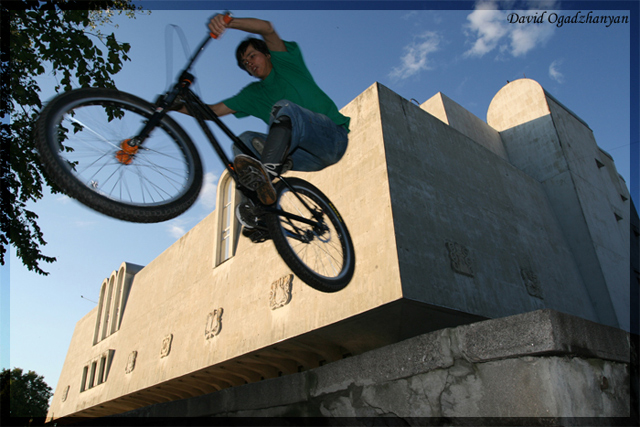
(217, 26)
(220, 109)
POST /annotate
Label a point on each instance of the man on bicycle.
(305, 126)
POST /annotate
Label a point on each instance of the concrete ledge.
(543, 332)
(538, 364)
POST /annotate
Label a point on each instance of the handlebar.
(227, 18)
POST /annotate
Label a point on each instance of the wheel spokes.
(320, 251)
(96, 149)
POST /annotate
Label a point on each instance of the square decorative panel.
(166, 346)
(460, 257)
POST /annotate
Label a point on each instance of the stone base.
(538, 365)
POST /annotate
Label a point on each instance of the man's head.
(254, 57)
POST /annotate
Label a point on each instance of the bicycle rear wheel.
(81, 137)
(321, 255)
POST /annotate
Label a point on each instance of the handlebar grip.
(227, 18)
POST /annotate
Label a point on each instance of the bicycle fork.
(129, 147)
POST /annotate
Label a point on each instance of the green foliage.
(23, 395)
(61, 38)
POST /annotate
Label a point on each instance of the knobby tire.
(327, 261)
(77, 138)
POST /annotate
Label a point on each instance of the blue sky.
(468, 54)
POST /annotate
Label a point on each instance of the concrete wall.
(548, 142)
(545, 366)
(453, 114)
(474, 233)
(605, 202)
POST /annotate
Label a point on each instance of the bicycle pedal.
(256, 235)
(248, 213)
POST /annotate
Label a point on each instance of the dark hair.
(257, 44)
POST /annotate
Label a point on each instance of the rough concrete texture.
(539, 364)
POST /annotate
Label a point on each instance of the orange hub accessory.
(125, 156)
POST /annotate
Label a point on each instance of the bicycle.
(126, 158)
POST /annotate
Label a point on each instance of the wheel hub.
(127, 152)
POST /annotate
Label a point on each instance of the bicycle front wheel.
(322, 254)
(82, 136)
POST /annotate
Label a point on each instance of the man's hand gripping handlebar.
(218, 24)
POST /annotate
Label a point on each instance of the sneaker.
(276, 169)
(255, 177)
(257, 235)
(247, 213)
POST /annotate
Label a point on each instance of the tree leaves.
(62, 38)
(23, 394)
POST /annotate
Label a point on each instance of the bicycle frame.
(196, 108)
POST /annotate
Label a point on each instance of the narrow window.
(96, 334)
(226, 222)
(107, 308)
(117, 301)
(227, 226)
(101, 370)
(92, 376)
(108, 359)
(83, 384)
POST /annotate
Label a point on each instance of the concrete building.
(454, 220)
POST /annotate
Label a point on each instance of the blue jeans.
(316, 141)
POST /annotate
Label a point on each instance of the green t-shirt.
(289, 79)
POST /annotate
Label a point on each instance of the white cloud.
(554, 73)
(415, 58)
(209, 190)
(526, 37)
(490, 28)
(176, 229)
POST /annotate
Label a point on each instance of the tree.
(62, 38)
(23, 395)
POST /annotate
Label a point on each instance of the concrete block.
(544, 332)
(538, 364)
